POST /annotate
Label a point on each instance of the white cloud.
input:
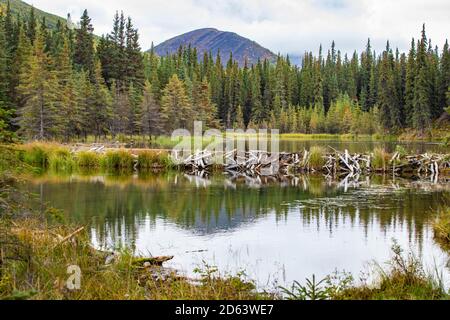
(286, 26)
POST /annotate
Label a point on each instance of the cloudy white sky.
(286, 26)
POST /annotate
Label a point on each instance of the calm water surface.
(276, 231)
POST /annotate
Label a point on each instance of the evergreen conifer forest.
(65, 83)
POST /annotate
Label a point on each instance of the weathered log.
(153, 261)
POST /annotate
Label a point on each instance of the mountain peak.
(214, 40)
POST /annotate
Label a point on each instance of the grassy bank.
(441, 227)
(58, 158)
(36, 267)
(38, 246)
(404, 278)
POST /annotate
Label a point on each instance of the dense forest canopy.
(63, 83)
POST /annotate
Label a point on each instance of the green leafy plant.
(313, 290)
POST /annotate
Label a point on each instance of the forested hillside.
(21, 8)
(55, 84)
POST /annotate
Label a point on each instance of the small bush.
(316, 159)
(401, 150)
(88, 159)
(118, 160)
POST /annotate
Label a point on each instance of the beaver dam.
(263, 163)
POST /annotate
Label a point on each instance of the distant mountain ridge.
(213, 40)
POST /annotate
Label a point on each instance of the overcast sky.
(286, 26)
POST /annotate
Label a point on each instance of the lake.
(277, 231)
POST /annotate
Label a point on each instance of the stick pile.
(254, 163)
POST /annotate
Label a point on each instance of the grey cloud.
(285, 26)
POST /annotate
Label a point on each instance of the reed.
(380, 159)
(317, 157)
(403, 279)
(86, 159)
(118, 160)
(441, 227)
(37, 153)
(152, 159)
(61, 159)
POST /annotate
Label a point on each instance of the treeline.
(66, 83)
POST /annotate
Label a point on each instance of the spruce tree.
(204, 109)
(84, 49)
(409, 85)
(99, 110)
(444, 81)
(38, 118)
(422, 102)
(176, 109)
(150, 118)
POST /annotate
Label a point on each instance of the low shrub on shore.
(37, 153)
(47, 156)
(152, 159)
(60, 159)
(118, 160)
(88, 160)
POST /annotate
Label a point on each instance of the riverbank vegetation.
(55, 84)
(38, 253)
(38, 246)
(441, 227)
(404, 278)
(66, 158)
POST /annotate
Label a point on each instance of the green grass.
(47, 156)
(36, 154)
(118, 160)
(380, 159)
(152, 159)
(441, 227)
(404, 279)
(88, 160)
(39, 271)
(316, 158)
(61, 160)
